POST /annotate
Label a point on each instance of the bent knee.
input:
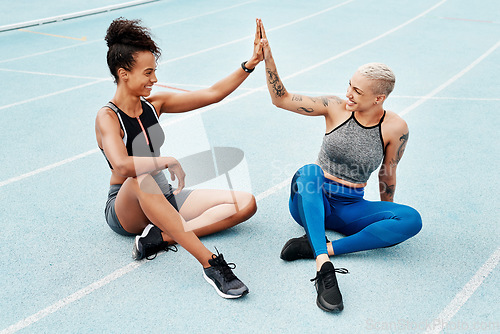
(413, 221)
(247, 202)
(310, 170)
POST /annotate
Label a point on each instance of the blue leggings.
(317, 203)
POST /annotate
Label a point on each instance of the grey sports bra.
(352, 151)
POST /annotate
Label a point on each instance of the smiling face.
(141, 78)
(360, 96)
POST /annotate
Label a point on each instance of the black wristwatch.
(245, 68)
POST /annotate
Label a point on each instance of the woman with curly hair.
(141, 202)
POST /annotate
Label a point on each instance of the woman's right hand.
(175, 169)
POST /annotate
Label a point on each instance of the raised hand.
(266, 49)
(258, 54)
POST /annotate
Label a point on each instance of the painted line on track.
(444, 318)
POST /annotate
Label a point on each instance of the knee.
(251, 206)
(245, 204)
(308, 179)
(412, 219)
(310, 170)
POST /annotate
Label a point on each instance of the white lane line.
(52, 94)
(72, 298)
(47, 168)
(52, 74)
(368, 42)
(252, 36)
(451, 80)
(73, 15)
(443, 319)
(201, 15)
(102, 40)
(51, 309)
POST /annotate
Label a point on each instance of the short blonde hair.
(382, 74)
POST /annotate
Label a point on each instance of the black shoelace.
(225, 268)
(152, 249)
(330, 280)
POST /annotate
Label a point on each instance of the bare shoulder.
(394, 126)
(106, 118)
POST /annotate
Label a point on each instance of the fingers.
(257, 32)
(262, 30)
(180, 186)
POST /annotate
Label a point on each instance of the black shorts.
(176, 200)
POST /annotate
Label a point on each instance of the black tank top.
(143, 135)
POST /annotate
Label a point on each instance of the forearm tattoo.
(274, 80)
(387, 191)
(401, 149)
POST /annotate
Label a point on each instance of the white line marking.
(102, 41)
(72, 298)
(83, 292)
(52, 74)
(252, 36)
(467, 291)
(52, 94)
(201, 15)
(451, 80)
(73, 15)
(47, 168)
(272, 190)
(367, 42)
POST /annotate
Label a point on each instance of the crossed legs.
(140, 201)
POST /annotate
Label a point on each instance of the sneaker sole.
(136, 255)
(333, 308)
(220, 293)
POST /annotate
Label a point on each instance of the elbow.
(125, 169)
(279, 101)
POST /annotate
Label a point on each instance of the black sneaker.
(329, 296)
(297, 248)
(149, 243)
(221, 277)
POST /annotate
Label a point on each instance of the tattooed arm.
(396, 144)
(305, 105)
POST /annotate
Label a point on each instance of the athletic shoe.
(221, 277)
(297, 248)
(149, 243)
(329, 296)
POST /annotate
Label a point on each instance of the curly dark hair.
(125, 38)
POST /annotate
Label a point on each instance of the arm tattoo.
(388, 190)
(325, 101)
(308, 110)
(275, 82)
(296, 98)
(336, 99)
(401, 149)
